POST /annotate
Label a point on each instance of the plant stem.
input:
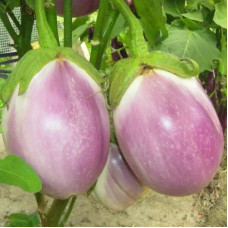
(56, 211)
(104, 10)
(102, 32)
(27, 21)
(69, 210)
(67, 9)
(103, 13)
(51, 13)
(41, 202)
(7, 24)
(47, 38)
(138, 43)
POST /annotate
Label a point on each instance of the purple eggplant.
(80, 8)
(168, 132)
(60, 123)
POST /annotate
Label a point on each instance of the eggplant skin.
(60, 126)
(80, 8)
(169, 133)
(117, 187)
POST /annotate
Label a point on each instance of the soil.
(207, 208)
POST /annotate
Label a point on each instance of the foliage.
(199, 45)
(14, 171)
(6, 66)
(2, 81)
(24, 220)
(153, 20)
(192, 31)
(12, 3)
(31, 4)
(220, 12)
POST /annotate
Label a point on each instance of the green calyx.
(34, 60)
(125, 71)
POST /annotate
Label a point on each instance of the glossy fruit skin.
(169, 133)
(60, 126)
(80, 8)
(117, 187)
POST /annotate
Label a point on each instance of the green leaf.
(2, 81)
(199, 45)
(174, 7)
(23, 220)
(119, 26)
(12, 3)
(153, 20)
(195, 16)
(224, 91)
(209, 4)
(79, 31)
(190, 24)
(31, 4)
(14, 171)
(194, 4)
(220, 17)
(77, 22)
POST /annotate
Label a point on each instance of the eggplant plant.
(147, 111)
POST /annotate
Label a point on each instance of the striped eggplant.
(165, 124)
(117, 187)
(55, 118)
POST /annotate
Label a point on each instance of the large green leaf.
(174, 7)
(152, 18)
(199, 45)
(23, 220)
(195, 16)
(220, 17)
(14, 171)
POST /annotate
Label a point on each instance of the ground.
(208, 208)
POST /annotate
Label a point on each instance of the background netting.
(6, 43)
